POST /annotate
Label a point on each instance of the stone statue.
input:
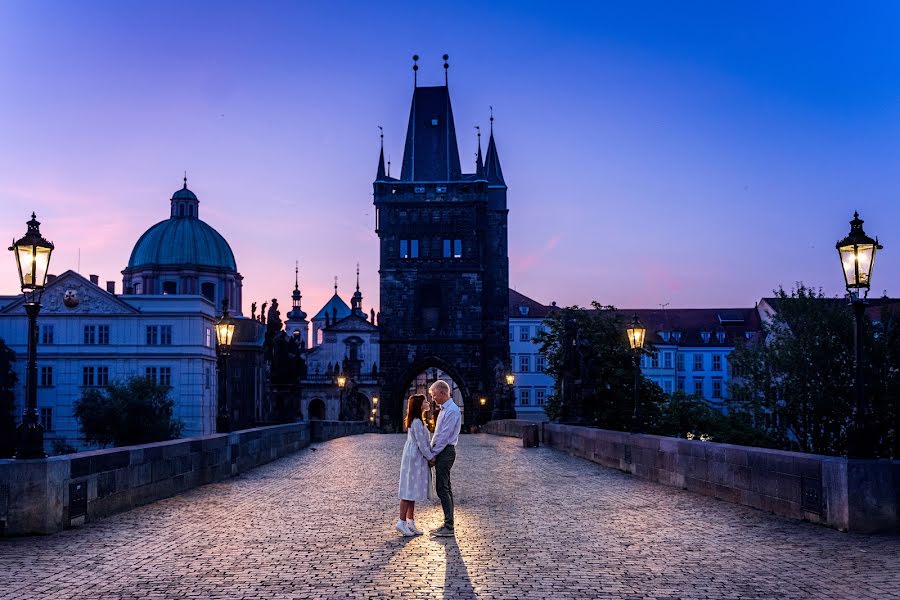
(253, 311)
(262, 313)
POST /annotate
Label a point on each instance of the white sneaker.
(412, 527)
(403, 529)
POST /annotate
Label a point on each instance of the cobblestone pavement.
(531, 524)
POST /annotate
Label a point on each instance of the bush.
(136, 411)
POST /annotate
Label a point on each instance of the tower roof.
(492, 171)
(431, 152)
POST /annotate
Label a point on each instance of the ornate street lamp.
(510, 379)
(342, 383)
(32, 254)
(224, 336)
(857, 253)
(636, 334)
(483, 402)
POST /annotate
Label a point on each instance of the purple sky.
(697, 156)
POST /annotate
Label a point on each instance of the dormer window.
(748, 335)
(523, 310)
(676, 335)
(442, 189)
(420, 189)
(664, 335)
(705, 336)
(720, 335)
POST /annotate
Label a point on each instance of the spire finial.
(492, 119)
(357, 277)
(389, 165)
(415, 70)
(446, 68)
(185, 179)
(335, 284)
(381, 135)
(297, 275)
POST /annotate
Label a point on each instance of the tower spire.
(357, 277)
(492, 171)
(185, 179)
(381, 175)
(415, 70)
(335, 285)
(446, 69)
(297, 275)
(479, 163)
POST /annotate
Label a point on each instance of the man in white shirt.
(443, 444)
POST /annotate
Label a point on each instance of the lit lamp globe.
(342, 380)
(225, 332)
(483, 401)
(375, 400)
(857, 252)
(510, 379)
(636, 333)
(33, 259)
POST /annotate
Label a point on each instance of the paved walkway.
(531, 524)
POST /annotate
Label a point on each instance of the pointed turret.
(381, 171)
(431, 152)
(356, 300)
(479, 163)
(492, 171)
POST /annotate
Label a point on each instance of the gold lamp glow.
(375, 400)
(857, 252)
(510, 379)
(636, 333)
(225, 331)
(483, 401)
(32, 257)
(341, 380)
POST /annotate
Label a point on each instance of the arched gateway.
(444, 267)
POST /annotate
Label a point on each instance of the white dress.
(415, 474)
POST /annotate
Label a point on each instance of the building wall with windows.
(89, 337)
(532, 384)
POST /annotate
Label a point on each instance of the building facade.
(444, 266)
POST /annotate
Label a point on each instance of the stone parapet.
(46, 495)
(860, 496)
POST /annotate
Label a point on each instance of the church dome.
(182, 242)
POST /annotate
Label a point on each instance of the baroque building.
(444, 267)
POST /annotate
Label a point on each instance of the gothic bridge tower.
(444, 268)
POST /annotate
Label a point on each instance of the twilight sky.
(698, 155)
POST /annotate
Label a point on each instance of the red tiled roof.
(536, 310)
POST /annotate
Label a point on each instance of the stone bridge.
(532, 523)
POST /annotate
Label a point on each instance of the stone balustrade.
(47, 495)
(851, 495)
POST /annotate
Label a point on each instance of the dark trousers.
(443, 463)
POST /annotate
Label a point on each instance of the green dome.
(180, 241)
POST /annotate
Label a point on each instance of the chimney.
(50, 278)
(95, 279)
(111, 287)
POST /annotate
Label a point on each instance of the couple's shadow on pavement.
(457, 583)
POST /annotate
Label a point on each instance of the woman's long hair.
(414, 408)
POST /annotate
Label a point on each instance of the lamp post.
(224, 336)
(636, 333)
(342, 383)
(32, 253)
(857, 253)
(374, 418)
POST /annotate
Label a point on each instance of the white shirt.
(446, 430)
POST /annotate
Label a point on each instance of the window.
(667, 360)
(90, 334)
(512, 361)
(698, 386)
(103, 376)
(524, 363)
(720, 335)
(523, 310)
(87, 376)
(46, 376)
(698, 361)
(716, 362)
(667, 386)
(170, 287)
(748, 335)
(654, 360)
(705, 336)
(208, 337)
(165, 375)
(208, 291)
(717, 388)
(676, 336)
(137, 287)
(47, 418)
(46, 334)
(159, 335)
(409, 248)
(150, 373)
(679, 361)
(457, 248)
(664, 335)
(539, 396)
(524, 396)
(512, 335)
(539, 360)
(207, 378)
(103, 334)
(680, 384)
(525, 333)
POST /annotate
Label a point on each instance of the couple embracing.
(421, 453)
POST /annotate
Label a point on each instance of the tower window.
(170, 287)
(409, 248)
(430, 306)
(208, 291)
(434, 122)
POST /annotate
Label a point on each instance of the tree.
(8, 381)
(797, 385)
(588, 355)
(136, 411)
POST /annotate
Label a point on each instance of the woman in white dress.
(414, 470)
